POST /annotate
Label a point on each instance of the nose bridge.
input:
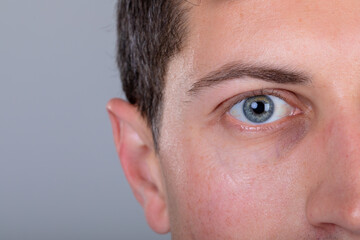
(343, 135)
(336, 200)
(343, 151)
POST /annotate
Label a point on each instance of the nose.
(335, 200)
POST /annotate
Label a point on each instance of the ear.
(135, 147)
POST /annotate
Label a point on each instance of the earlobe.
(133, 141)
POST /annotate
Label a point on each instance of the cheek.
(211, 201)
(220, 187)
(259, 148)
(218, 208)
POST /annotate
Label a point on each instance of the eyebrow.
(236, 70)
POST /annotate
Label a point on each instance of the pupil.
(258, 107)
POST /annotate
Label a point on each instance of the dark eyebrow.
(238, 70)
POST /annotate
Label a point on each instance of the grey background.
(60, 177)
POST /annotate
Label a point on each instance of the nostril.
(335, 205)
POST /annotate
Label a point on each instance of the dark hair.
(149, 34)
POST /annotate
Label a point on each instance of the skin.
(216, 177)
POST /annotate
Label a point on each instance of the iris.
(258, 109)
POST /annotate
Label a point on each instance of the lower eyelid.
(265, 128)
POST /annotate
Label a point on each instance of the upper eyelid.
(227, 104)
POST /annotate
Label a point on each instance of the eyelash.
(289, 97)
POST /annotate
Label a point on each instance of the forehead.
(221, 31)
(255, 28)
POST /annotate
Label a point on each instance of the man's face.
(238, 167)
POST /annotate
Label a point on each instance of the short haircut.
(150, 33)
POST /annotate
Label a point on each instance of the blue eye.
(261, 109)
